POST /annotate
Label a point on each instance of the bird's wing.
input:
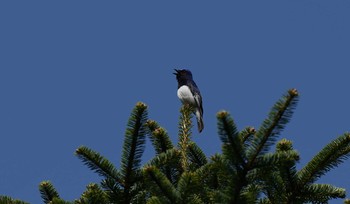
(197, 96)
(198, 99)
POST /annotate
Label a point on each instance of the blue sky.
(71, 72)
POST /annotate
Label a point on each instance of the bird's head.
(183, 74)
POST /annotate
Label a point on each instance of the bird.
(188, 93)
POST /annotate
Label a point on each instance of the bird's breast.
(185, 95)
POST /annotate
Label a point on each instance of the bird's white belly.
(185, 95)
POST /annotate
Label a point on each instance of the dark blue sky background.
(71, 72)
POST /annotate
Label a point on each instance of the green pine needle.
(321, 193)
(98, 163)
(164, 186)
(247, 135)
(232, 144)
(9, 200)
(159, 137)
(48, 191)
(284, 145)
(170, 157)
(196, 155)
(169, 163)
(188, 187)
(134, 144)
(154, 200)
(270, 159)
(93, 194)
(272, 126)
(328, 158)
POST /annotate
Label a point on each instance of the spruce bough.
(248, 169)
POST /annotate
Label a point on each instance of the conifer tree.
(248, 169)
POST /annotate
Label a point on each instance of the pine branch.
(321, 193)
(216, 177)
(152, 125)
(170, 157)
(276, 158)
(196, 155)
(328, 158)
(142, 194)
(169, 163)
(264, 201)
(195, 200)
(98, 163)
(251, 193)
(232, 144)
(233, 151)
(93, 194)
(9, 200)
(273, 185)
(164, 186)
(154, 200)
(284, 145)
(221, 170)
(112, 188)
(60, 201)
(208, 181)
(247, 135)
(220, 196)
(271, 128)
(134, 144)
(185, 126)
(48, 192)
(278, 174)
(287, 169)
(159, 137)
(188, 187)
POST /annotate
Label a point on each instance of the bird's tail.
(200, 123)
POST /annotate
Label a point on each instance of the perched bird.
(189, 93)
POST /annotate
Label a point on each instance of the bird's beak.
(176, 72)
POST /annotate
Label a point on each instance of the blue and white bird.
(189, 93)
